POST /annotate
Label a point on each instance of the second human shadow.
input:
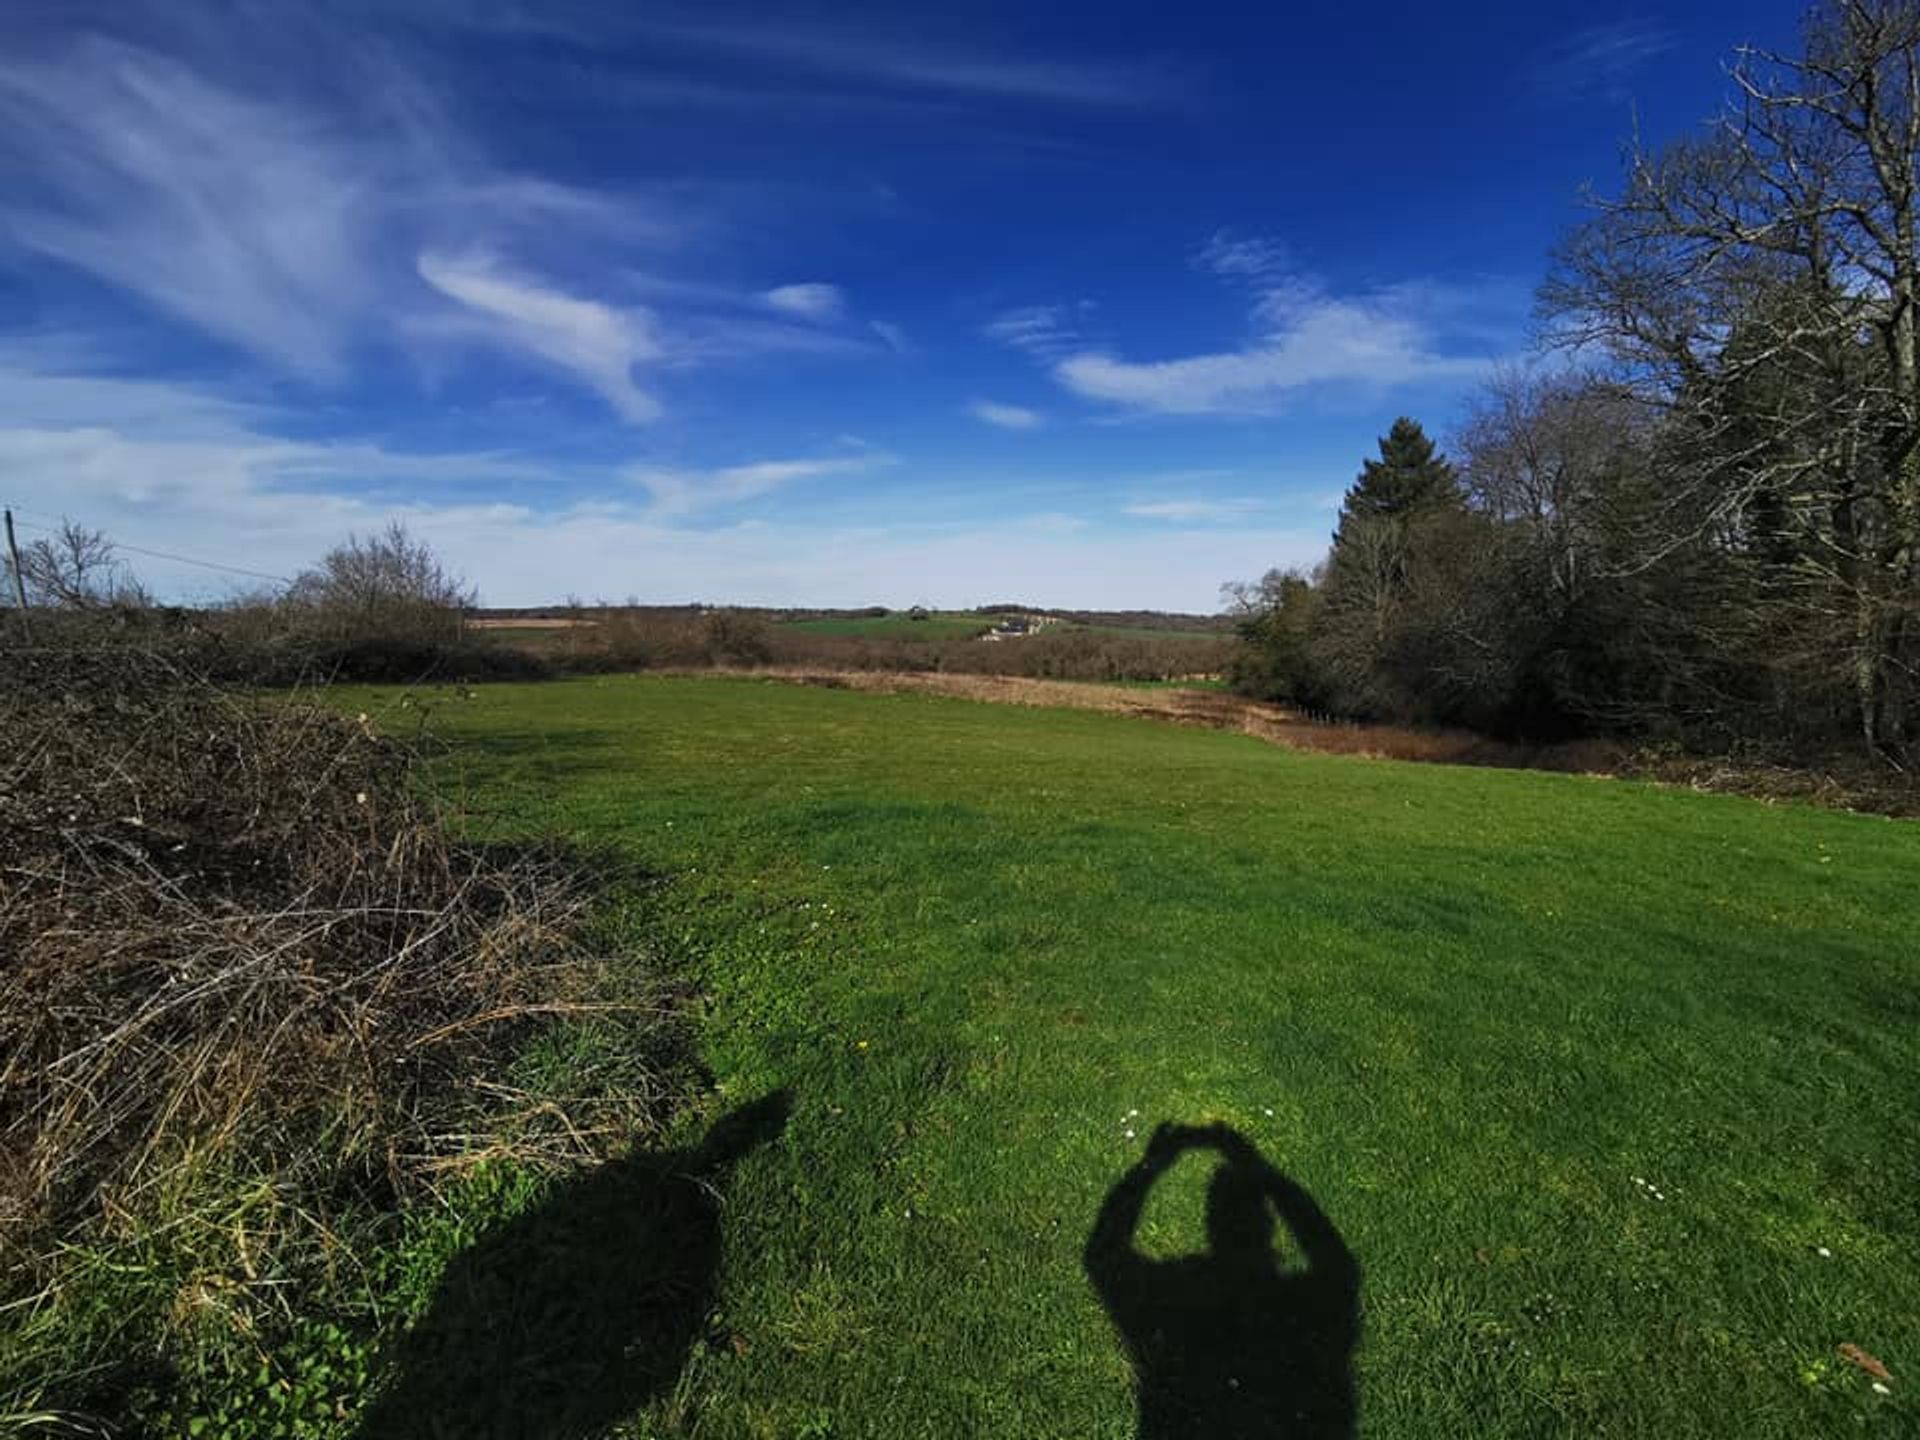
(1229, 1344)
(561, 1322)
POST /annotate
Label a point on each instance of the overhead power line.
(159, 554)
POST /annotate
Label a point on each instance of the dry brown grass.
(1839, 786)
(531, 622)
(1219, 710)
(242, 949)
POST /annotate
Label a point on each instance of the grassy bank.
(1608, 1089)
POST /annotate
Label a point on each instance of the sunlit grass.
(1609, 1088)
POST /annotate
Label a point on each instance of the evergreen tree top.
(1409, 475)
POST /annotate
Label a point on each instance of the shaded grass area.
(1607, 1089)
(581, 1308)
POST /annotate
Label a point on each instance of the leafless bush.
(649, 638)
(76, 568)
(390, 586)
(1075, 654)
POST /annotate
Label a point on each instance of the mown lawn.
(1610, 1091)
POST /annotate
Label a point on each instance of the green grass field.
(942, 625)
(1609, 1090)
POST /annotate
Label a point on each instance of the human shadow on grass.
(1228, 1344)
(566, 1319)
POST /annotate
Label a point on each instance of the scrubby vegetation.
(627, 638)
(259, 1006)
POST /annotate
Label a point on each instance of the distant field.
(943, 625)
(1608, 1090)
(529, 624)
(1144, 633)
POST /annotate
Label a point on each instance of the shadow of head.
(1228, 1342)
(568, 1317)
(1240, 1223)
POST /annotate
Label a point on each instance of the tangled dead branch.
(238, 948)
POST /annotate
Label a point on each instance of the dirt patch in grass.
(1219, 710)
(1838, 786)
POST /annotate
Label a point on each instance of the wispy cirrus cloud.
(1005, 417)
(1189, 511)
(1235, 254)
(917, 64)
(706, 321)
(1046, 332)
(222, 209)
(811, 301)
(316, 225)
(1601, 60)
(679, 492)
(593, 341)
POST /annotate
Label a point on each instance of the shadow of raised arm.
(1228, 1342)
(1319, 1240)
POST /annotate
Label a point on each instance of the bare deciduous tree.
(1544, 455)
(1761, 286)
(77, 569)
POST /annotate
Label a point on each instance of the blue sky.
(829, 305)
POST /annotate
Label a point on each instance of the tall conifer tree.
(1409, 476)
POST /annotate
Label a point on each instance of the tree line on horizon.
(1705, 523)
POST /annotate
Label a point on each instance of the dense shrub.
(249, 973)
(644, 638)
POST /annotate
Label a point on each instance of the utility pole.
(19, 581)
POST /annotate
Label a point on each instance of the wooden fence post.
(19, 582)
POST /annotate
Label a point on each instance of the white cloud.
(1304, 337)
(56, 382)
(225, 211)
(314, 216)
(680, 492)
(871, 60)
(1601, 60)
(1006, 417)
(1305, 340)
(152, 443)
(216, 482)
(891, 335)
(1234, 254)
(596, 342)
(811, 301)
(1191, 510)
(1046, 332)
